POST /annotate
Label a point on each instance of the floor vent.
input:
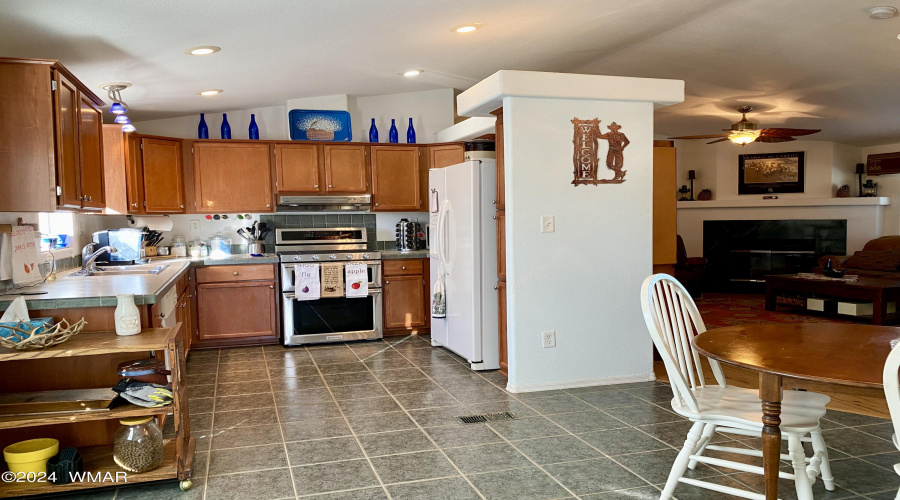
(486, 417)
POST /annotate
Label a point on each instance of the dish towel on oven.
(307, 285)
(356, 279)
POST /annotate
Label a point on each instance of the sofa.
(879, 258)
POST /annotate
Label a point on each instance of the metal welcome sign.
(586, 159)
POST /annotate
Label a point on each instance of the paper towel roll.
(154, 222)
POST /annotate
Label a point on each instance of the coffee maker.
(409, 236)
(128, 243)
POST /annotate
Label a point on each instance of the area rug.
(719, 309)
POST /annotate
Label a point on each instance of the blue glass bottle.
(254, 130)
(202, 129)
(226, 128)
(410, 133)
(392, 134)
(373, 132)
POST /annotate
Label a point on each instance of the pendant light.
(122, 119)
(118, 107)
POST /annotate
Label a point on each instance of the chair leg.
(708, 432)
(898, 495)
(798, 460)
(818, 445)
(681, 461)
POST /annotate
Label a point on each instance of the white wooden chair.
(673, 320)
(892, 393)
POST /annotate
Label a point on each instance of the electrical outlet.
(195, 225)
(549, 338)
(548, 224)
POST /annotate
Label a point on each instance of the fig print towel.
(356, 282)
(307, 285)
(24, 256)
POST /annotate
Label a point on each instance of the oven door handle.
(372, 291)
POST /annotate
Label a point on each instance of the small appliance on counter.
(127, 241)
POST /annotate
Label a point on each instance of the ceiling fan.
(744, 132)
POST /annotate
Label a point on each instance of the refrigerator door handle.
(443, 254)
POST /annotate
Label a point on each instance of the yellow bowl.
(31, 455)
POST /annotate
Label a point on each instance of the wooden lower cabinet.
(406, 296)
(501, 326)
(236, 312)
(184, 314)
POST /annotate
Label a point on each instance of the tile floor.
(375, 420)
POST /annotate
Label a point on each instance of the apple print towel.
(24, 256)
(306, 282)
(356, 279)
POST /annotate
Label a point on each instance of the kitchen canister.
(128, 318)
(138, 445)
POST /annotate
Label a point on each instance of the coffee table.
(879, 291)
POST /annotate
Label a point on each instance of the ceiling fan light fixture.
(744, 137)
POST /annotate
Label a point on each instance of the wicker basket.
(39, 337)
(317, 134)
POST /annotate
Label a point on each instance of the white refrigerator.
(463, 248)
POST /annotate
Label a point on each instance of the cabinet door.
(232, 177)
(231, 310)
(183, 315)
(297, 168)
(501, 323)
(68, 174)
(501, 244)
(395, 179)
(500, 197)
(664, 198)
(444, 156)
(404, 297)
(345, 169)
(162, 176)
(90, 142)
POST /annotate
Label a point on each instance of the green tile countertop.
(395, 254)
(69, 291)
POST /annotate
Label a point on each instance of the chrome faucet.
(89, 255)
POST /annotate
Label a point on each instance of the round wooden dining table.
(831, 353)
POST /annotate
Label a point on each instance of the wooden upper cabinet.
(500, 197)
(232, 177)
(162, 175)
(445, 155)
(90, 142)
(68, 172)
(345, 169)
(396, 179)
(297, 168)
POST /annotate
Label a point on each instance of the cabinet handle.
(376, 204)
(317, 186)
(268, 205)
(403, 267)
(182, 206)
(493, 202)
(330, 185)
(234, 273)
(494, 217)
(272, 286)
(496, 288)
(387, 282)
(134, 205)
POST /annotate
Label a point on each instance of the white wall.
(272, 123)
(582, 280)
(828, 166)
(888, 185)
(431, 111)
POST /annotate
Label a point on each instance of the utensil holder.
(150, 251)
(256, 247)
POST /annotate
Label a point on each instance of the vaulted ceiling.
(801, 63)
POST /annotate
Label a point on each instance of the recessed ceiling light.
(883, 12)
(412, 72)
(202, 50)
(467, 28)
(211, 92)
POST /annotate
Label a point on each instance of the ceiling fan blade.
(787, 132)
(708, 136)
(764, 138)
(718, 140)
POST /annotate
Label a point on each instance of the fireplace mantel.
(785, 202)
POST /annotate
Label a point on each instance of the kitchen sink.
(137, 270)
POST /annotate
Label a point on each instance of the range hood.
(358, 203)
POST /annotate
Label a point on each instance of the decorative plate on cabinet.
(320, 125)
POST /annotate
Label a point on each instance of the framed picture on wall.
(771, 173)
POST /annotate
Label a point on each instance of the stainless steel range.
(334, 318)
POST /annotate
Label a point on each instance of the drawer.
(249, 272)
(401, 267)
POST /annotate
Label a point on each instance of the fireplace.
(741, 253)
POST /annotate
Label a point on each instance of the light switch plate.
(548, 224)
